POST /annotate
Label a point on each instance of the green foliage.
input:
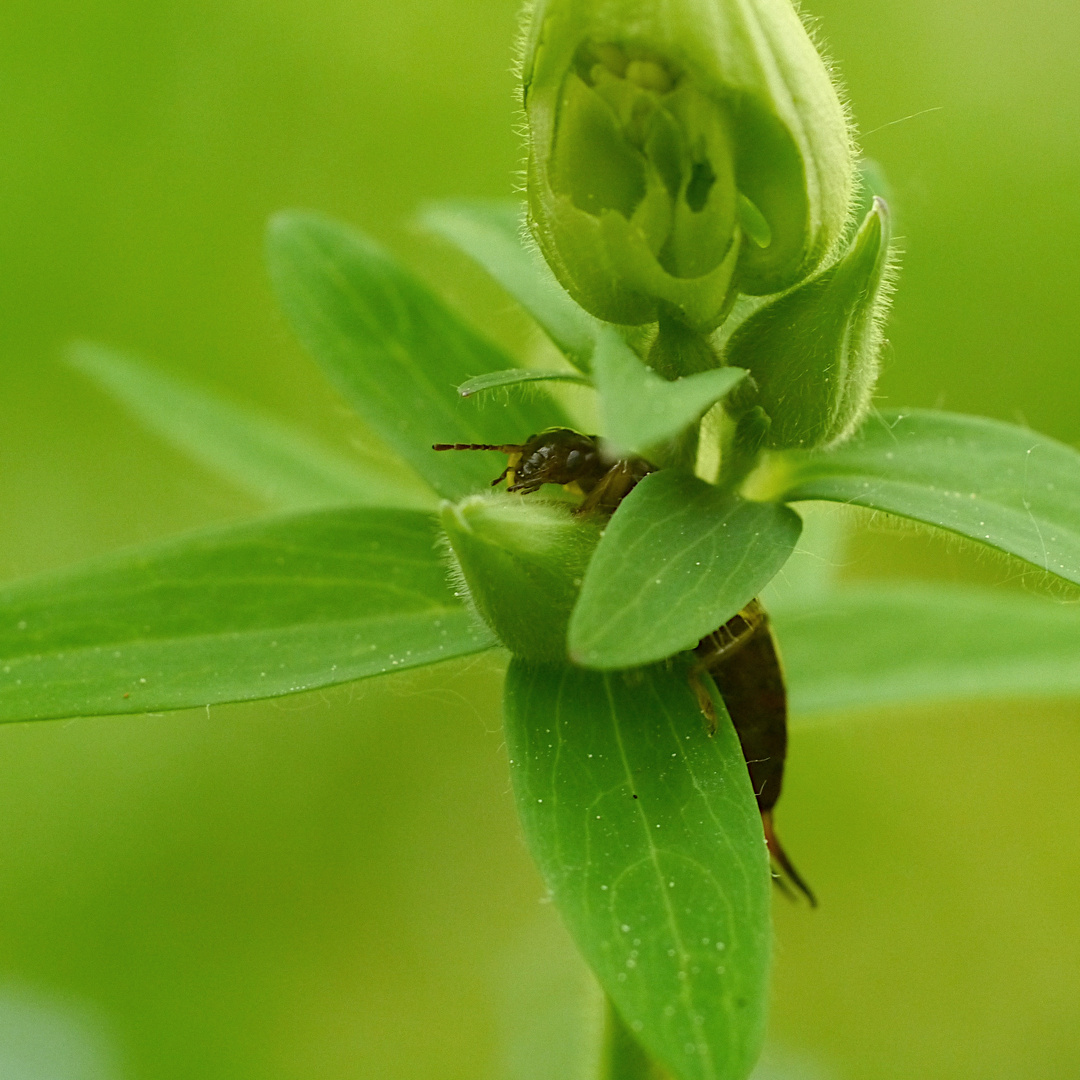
(619, 781)
(647, 835)
(500, 380)
(254, 611)
(624, 1057)
(640, 411)
(998, 484)
(872, 645)
(814, 352)
(679, 559)
(288, 469)
(523, 564)
(682, 158)
(395, 351)
(491, 233)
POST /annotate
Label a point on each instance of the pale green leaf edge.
(261, 455)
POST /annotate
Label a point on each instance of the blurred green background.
(333, 886)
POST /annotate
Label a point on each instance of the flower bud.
(813, 352)
(523, 562)
(680, 152)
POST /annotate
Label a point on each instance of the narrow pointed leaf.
(647, 833)
(639, 409)
(492, 233)
(889, 644)
(255, 611)
(500, 380)
(999, 484)
(396, 351)
(679, 558)
(258, 453)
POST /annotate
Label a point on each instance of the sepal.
(522, 563)
(813, 353)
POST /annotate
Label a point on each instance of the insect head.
(562, 456)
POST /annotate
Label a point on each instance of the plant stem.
(680, 350)
(677, 351)
(743, 450)
(624, 1058)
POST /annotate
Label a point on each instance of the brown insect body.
(742, 659)
(568, 458)
(740, 656)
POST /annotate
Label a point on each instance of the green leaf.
(639, 409)
(679, 558)
(624, 1058)
(396, 351)
(648, 835)
(889, 644)
(493, 234)
(269, 608)
(499, 380)
(258, 453)
(999, 484)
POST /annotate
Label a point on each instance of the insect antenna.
(505, 448)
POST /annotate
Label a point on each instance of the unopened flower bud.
(813, 352)
(680, 151)
(523, 562)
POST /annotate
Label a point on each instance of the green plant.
(639, 818)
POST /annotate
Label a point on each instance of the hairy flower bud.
(680, 151)
(813, 352)
(523, 562)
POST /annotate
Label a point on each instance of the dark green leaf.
(873, 645)
(996, 483)
(260, 454)
(269, 608)
(396, 351)
(638, 409)
(624, 1058)
(679, 558)
(499, 380)
(647, 833)
(492, 233)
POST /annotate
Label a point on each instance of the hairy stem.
(680, 350)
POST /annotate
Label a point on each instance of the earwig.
(568, 458)
(742, 659)
(740, 656)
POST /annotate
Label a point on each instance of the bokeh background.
(333, 886)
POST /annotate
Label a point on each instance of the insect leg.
(615, 484)
(732, 636)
